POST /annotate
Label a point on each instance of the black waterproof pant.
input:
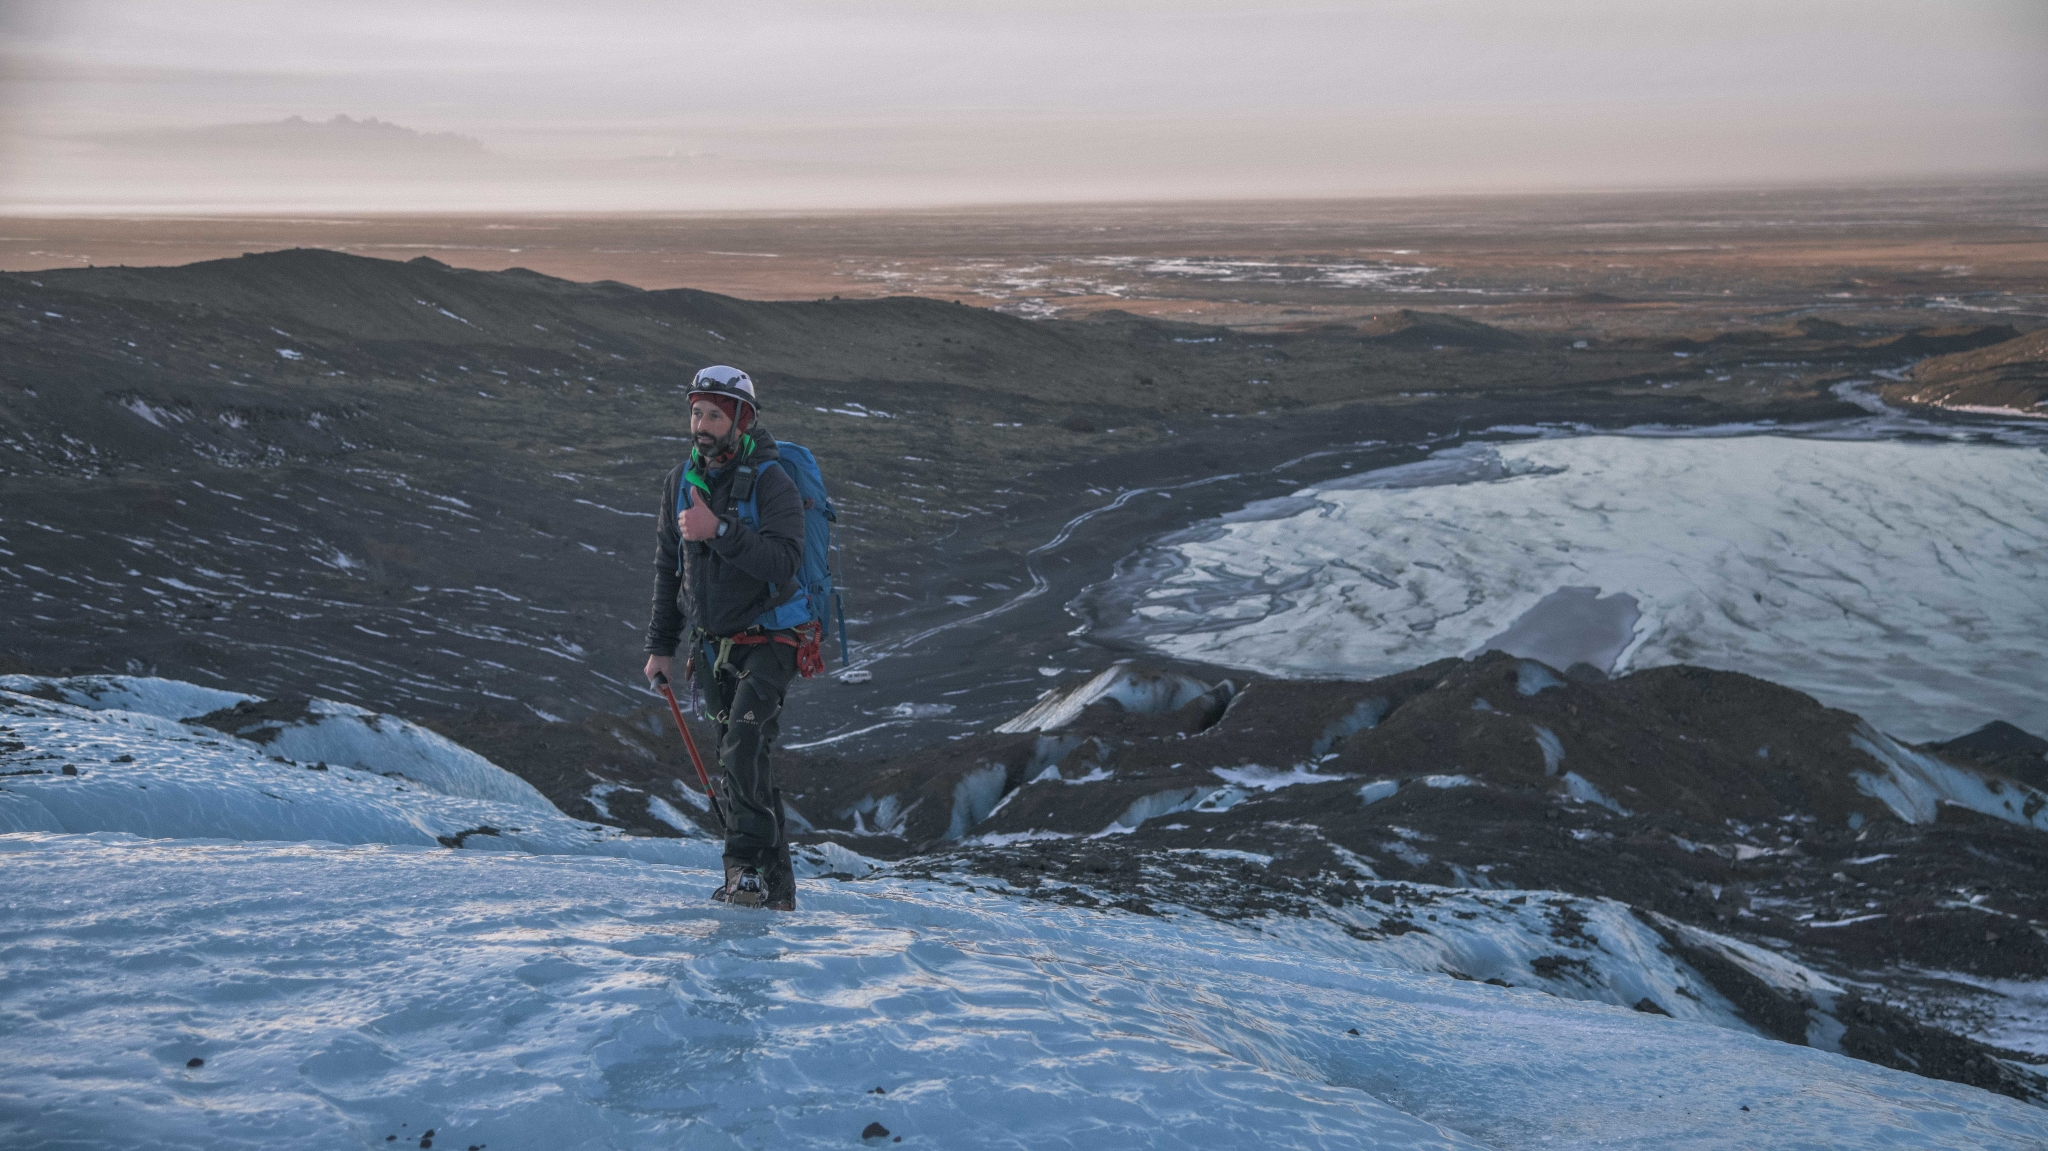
(745, 698)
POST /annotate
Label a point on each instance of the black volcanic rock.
(626, 762)
(1882, 1034)
(1411, 329)
(1816, 328)
(364, 452)
(1943, 341)
(1999, 746)
(1711, 798)
(2012, 375)
(1501, 735)
(258, 721)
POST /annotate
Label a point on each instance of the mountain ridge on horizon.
(295, 137)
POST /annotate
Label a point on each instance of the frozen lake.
(1899, 578)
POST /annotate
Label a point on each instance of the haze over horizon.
(142, 106)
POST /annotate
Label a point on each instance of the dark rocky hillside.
(422, 488)
(429, 491)
(2008, 375)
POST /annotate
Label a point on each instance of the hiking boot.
(744, 887)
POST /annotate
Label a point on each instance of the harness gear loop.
(695, 688)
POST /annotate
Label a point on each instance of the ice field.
(1905, 581)
(208, 945)
(341, 775)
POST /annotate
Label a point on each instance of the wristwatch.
(722, 525)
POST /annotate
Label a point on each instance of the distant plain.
(1616, 264)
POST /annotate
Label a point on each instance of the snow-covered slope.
(338, 995)
(82, 770)
(310, 731)
(169, 698)
(1915, 785)
(1907, 582)
(339, 976)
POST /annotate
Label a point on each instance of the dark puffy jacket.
(722, 585)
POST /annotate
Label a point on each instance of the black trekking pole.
(661, 685)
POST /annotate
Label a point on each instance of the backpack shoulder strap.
(746, 472)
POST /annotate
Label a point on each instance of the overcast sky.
(604, 104)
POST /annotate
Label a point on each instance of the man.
(728, 544)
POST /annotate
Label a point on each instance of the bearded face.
(712, 430)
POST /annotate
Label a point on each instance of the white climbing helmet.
(724, 380)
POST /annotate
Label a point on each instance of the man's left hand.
(697, 522)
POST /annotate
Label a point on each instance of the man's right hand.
(695, 522)
(662, 664)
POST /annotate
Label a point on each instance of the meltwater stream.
(1892, 568)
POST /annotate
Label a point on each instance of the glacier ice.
(337, 992)
(152, 776)
(1138, 690)
(1904, 581)
(341, 976)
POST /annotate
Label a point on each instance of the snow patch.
(666, 812)
(169, 698)
(974, 797)
(1005, 838)
(1553, 748)
(149, 776)
(1253, 777)
(1155, 805)
(884, 816)
(1138, 691)
(831, 859)
(1581, 790)
(1378, 789)
(1225, 853)
(351, 736)
(1364, 716)
(1915, 785)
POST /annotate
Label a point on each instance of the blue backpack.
(815, 598)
